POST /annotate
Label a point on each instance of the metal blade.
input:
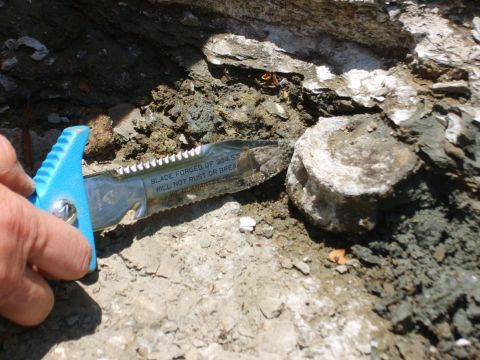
(140, 190)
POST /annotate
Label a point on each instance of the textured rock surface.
(342, 168)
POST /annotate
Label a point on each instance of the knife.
(104, 199)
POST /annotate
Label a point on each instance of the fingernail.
(86, 262)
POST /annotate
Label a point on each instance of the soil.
(188, 284)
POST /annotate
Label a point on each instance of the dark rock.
(366, 255)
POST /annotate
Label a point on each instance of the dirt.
(188, 284)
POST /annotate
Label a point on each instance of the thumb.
(11, 172)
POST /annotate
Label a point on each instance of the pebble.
(9, 64)
(205, 243)
(302, 267)
(247, 224)
(54, 118)
(462, 342)
(170, 327)
(342, 269)
(41, 51)
(439, 253)
(11, 44)
(476, 28)
(286, 263)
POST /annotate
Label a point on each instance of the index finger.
(12, 174)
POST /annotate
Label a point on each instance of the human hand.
(34, 245)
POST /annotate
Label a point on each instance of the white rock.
(455, 129)
(338, 177)
(341, 269)
(41, 50)
(476, 28)
(462, 342)
(247, 224)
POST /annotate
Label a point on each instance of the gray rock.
(41, 51)
(366, 255)
(9, 64)
(451, 87)
(125, 117)
(302, 267)
(341, 171)
(341, 269)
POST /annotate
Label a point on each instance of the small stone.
(170, 327)
(125, 117)
(302, 267)
(54, 118)
(103, 52)
(11, 44)
(451, 87)
(462, 342)
(41, 51)
(439, 253)
(476, 28)
(366, 255)
(9, 64)
(189, 19)
(268, 231)
(198, 343)
(183, 139)
(228, 323)
(286, 263)
(205, 242)
(247, 224)
(341, 269)
(456, 128)
(364, 349)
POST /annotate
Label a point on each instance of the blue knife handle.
(60, 178)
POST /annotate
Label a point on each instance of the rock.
(451, 87)
(41, 51)
(394, 92)
(340, 172)
(366, 255)
(439, 253)
(302, 267)
(463, 342)
(286, 263)
(402, 317)
(456, 128)
(54, 118)
(125, 117)
(476, 28)
(270, 301)
(247, 224)
(341, 269)
(205, 242)
(9, 64)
